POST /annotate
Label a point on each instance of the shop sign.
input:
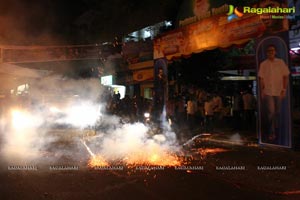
(143, 75)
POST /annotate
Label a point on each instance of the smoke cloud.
(61, 113)
(236, 139)
(132, 144)
(27, 125)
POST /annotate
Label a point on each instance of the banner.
(217, 25)
(209, 33)
(192, 11)
(160, 85)
(276, 21)
(273, 75)
(20, 54)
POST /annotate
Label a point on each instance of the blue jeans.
(272, 106)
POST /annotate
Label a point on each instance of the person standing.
(249, 104)
(180, 110)
(191, 111)
(209, 113)
(273, 78)
(217, 109)
(237, 109)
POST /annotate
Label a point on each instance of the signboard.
(107, 80)
(143, 75)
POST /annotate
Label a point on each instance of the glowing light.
(131, 146)
(97, 161)
(154, 158)
(295, 49)
(168, 23)
(206, 134)
(54, 109)
(22, 120)
(170, 121)
(83, 114)
(165, 160)
(147, 115)
(207, 151)
(147, 34)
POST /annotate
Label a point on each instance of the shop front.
(143, 77)
(207, 25)
(139, 58)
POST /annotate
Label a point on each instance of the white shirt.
(272, 73)
(208, 108)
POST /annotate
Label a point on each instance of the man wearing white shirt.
(273, 77)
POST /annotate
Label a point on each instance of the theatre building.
(205, 26)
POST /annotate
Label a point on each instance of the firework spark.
(95, 160)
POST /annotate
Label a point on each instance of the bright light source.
(147, 34)
(83, 114)
(170, 121)
(54, 109)
(121, 89)
(23, 120)
(295, 49)
(168, 23)
(107, 80)
(236, 78)
(147, 115)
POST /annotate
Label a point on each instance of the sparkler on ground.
(131, 145)
(96, 160)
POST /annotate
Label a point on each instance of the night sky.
(55, 22)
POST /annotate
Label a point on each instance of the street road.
(209, 170)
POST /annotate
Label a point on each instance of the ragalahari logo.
(233, 13)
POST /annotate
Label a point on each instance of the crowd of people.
(212, 110)
(198, 109)
(131, 108)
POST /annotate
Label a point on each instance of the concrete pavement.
(240, 160)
